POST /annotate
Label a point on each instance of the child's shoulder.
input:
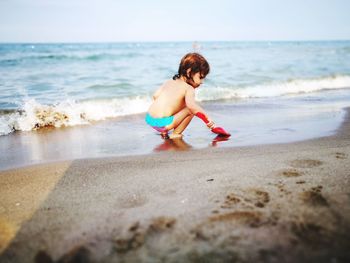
(168, 82)
(174, 83)
(179, 84)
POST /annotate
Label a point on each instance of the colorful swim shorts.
(159, 123)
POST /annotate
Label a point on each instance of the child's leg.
(182, 126)
(181, 121)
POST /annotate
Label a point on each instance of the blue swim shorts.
(159, 123)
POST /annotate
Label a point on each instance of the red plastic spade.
(217, 130)
(220, 131)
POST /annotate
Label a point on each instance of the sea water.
(263, 92)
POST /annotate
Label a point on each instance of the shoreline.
(265, 203)
(264, 122)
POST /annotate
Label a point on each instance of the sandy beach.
(268, 203)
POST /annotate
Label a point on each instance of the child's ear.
(188, 73)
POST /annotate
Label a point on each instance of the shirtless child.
(174, 103)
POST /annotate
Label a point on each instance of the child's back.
(169, 99)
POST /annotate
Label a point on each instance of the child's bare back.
(169, 99)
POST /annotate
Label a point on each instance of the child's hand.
(211, 125)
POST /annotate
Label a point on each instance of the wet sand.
(268, 203)
(252, 122)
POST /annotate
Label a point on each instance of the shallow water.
(69, 101)
(73, 84)
(265, 121)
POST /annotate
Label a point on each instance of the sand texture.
(271, 203)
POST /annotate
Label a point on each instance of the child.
(174, 102)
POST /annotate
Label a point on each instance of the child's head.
(190, 65)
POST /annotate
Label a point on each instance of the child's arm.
(196, 109)
(200, 113)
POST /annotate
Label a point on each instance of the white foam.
(5, 128)
(70, 113)
(274, 89)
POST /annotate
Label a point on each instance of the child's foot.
(175, 135)
(164, 135)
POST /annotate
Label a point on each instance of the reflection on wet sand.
(219, 138)
(177, 144)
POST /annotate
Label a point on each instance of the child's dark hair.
(195, 62)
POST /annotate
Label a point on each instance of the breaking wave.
(274, 89)
(34, 115)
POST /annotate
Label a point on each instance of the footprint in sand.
(230, 201)
(134, 241)
(314, 197)
(207, 230)
(282, 188)
(305, 163)
(290, 173)
(246, 213)
(256, 197)
(339, 155)
(250, 218)
(162, 223)
(137, 235)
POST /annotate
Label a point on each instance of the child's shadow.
(173, 144)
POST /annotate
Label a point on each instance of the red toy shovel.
(217, 130)
(220, 131)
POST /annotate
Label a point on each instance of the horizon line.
(166, 41)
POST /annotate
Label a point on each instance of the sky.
(165, 20)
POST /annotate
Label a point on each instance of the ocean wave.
(34, 115)
(18, 60)
(119, 86)
(274, 89)
(68, 57)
